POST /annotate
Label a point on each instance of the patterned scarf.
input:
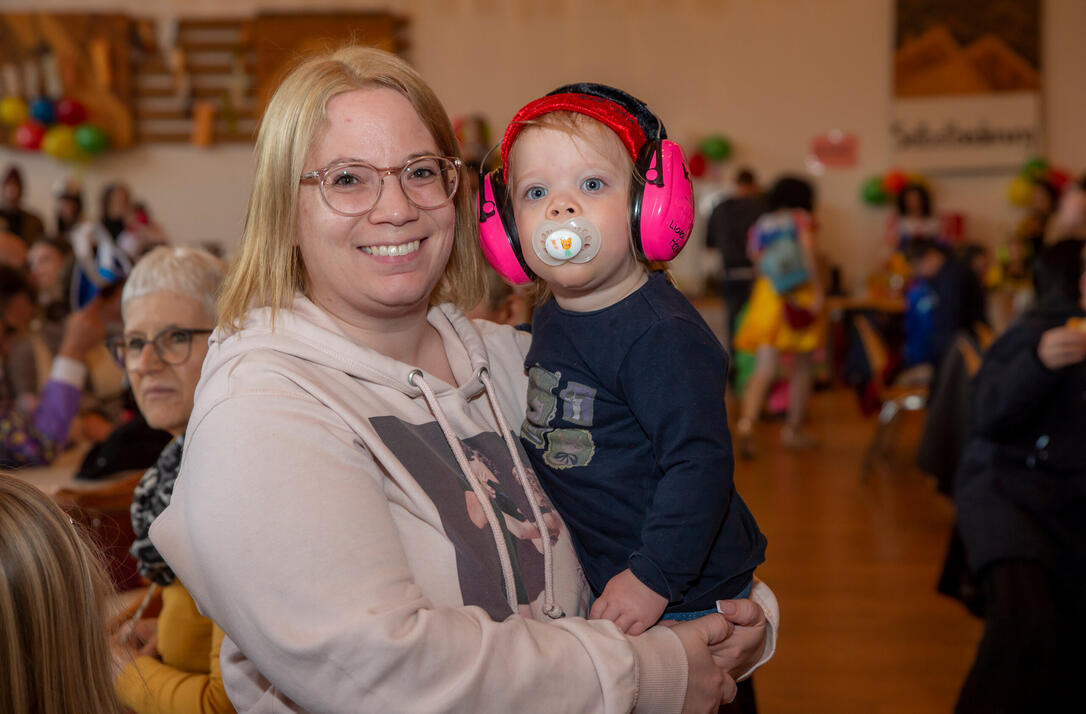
(151, 497)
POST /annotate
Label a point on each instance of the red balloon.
(1058, 178)
(28, 135)
(71, 111)
(893, 181)
(697, 165)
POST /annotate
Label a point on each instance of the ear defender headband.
(661, 204)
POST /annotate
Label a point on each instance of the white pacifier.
(576, 241)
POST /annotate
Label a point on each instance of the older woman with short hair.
(168, 307)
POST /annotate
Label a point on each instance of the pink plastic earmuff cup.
(495, 240)
(667, 211)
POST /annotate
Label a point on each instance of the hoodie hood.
(308, 332)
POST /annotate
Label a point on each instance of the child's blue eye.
(592, 185)
(535, 193)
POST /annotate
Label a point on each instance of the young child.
(626, 424)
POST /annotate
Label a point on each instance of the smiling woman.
(328, 515)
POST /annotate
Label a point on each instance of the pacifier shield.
(576, 241)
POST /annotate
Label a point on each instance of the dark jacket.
(1021, 487)
(729, 224)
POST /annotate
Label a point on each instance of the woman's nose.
(393, 205)
(147, 360)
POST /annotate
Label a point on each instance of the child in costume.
(626, 424)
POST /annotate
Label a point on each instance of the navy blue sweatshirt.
(627, 431)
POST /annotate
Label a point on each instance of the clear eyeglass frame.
(448, 176)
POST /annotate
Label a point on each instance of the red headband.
(602, 110)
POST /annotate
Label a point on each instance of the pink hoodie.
(366, 538)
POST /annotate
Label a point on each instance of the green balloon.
(91, 139)
(1035, 168)
(873, 193)
(716, 148)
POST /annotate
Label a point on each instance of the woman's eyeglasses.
(353, 189)
(173, 346)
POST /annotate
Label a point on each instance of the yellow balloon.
(1020, 191)
(59, 142)
(13, 111)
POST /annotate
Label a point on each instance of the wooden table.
(59, 474)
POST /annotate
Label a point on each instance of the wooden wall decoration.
(282, 39)
(81, 56)
(213, 85)
(210, 86)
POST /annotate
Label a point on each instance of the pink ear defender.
(661, 196)
(498, 231)
(662, 207)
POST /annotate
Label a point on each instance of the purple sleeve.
(35, 441)
(58, 406)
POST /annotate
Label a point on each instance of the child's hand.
(629, 603)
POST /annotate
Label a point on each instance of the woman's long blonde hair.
(54, 653)
(269, 270)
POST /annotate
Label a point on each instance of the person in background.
(327, 451)
(99, 259)
(914, 217)
(1020, 493)
(1044, 198)
(728, 229)
(142, 234)
(1070, 218)
(785, 311)
(946, 296)
(169, 665)
(35, 438)
(68, 207)
(54, 656)
(14, 218)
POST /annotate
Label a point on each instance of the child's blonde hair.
(54, 652)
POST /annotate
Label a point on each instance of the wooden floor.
(854, 565)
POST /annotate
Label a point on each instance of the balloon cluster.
(58, 128)
(715, 148)
(1020, 192)
(880, 190)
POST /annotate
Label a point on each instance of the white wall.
(770, 74)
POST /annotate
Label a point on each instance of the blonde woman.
(54, 656)
(320, 516)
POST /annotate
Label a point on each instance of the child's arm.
(629, 603)
(673, 380)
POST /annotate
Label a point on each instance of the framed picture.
(967, 85)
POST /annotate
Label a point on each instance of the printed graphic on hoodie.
(424, 452)
(562, 448)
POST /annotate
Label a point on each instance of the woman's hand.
(743, 649)
(708, 684)
(143, 641)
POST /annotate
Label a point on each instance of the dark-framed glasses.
(353, 188)
(173, 346)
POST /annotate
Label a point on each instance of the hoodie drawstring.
(550, 607)
(415, 378)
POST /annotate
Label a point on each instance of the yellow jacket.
(187, 678)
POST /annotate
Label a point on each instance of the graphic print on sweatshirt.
(423, 451)
(562, 448)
